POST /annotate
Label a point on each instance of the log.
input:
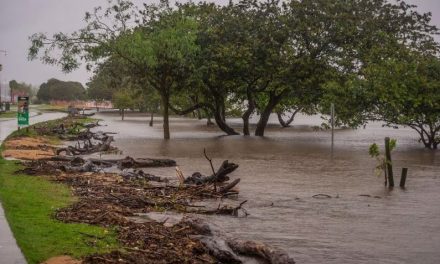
(105, 146)
(88, 148)
(220, 250)
(261, 250)
(86, 167)
(141, 175)
(129, 162)
(228, 187)
(91, 125)
(225, 210)
(199, 225)
(220, 176)
(237, 248)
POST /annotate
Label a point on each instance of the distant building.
(16, 94)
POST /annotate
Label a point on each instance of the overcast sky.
(21, 18)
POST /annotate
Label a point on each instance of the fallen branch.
(219, 176)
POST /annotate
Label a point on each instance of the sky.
(19, 19)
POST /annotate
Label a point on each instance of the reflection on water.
(281, 173)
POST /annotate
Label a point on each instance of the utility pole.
(1, 68)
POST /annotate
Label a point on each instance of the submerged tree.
(123, 99)
(259, 57)
(406, 92)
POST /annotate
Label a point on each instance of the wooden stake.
(403, 177)
(389, 162)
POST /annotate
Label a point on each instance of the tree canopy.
(21, 87)
(260, 57)
(55, 89)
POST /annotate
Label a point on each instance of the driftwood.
(230, 250)
(86, 167)
(321, 196)
(130, 162)
(226, 210)
(220, 250)
(228, 187)
(141, 175)
(219, 176)
(87, 148)
(125, 163)
(261, 250)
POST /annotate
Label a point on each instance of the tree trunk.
(222, 124)
(199, 114)
(122, 113)
(165, 112)
(427, 137)
(246, 115)
(220, 118)
(289, 121)
(264, 116)
(151, 118)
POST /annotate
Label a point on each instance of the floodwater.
(363, 222)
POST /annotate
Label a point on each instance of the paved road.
(10, 253)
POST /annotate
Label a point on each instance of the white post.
(332, 113)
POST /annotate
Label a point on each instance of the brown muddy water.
(281, 172)
(363, 222)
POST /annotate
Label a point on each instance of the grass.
(29, 203)
(10, 114)
(49, 125)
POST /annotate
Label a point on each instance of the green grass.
(30, 202)
(30, 131)
(10, 114)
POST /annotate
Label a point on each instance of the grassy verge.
(29, 203)
(33, 130)
(10, 114)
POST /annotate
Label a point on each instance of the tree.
(156, 48)
(405, 92)
(22, 88)
(55, 89)
(107, 79)
(122, 100)
(383, 74)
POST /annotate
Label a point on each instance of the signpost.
(23, 111)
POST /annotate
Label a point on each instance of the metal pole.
(332, 113)
(1, 68)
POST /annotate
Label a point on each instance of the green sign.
(23, 111)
